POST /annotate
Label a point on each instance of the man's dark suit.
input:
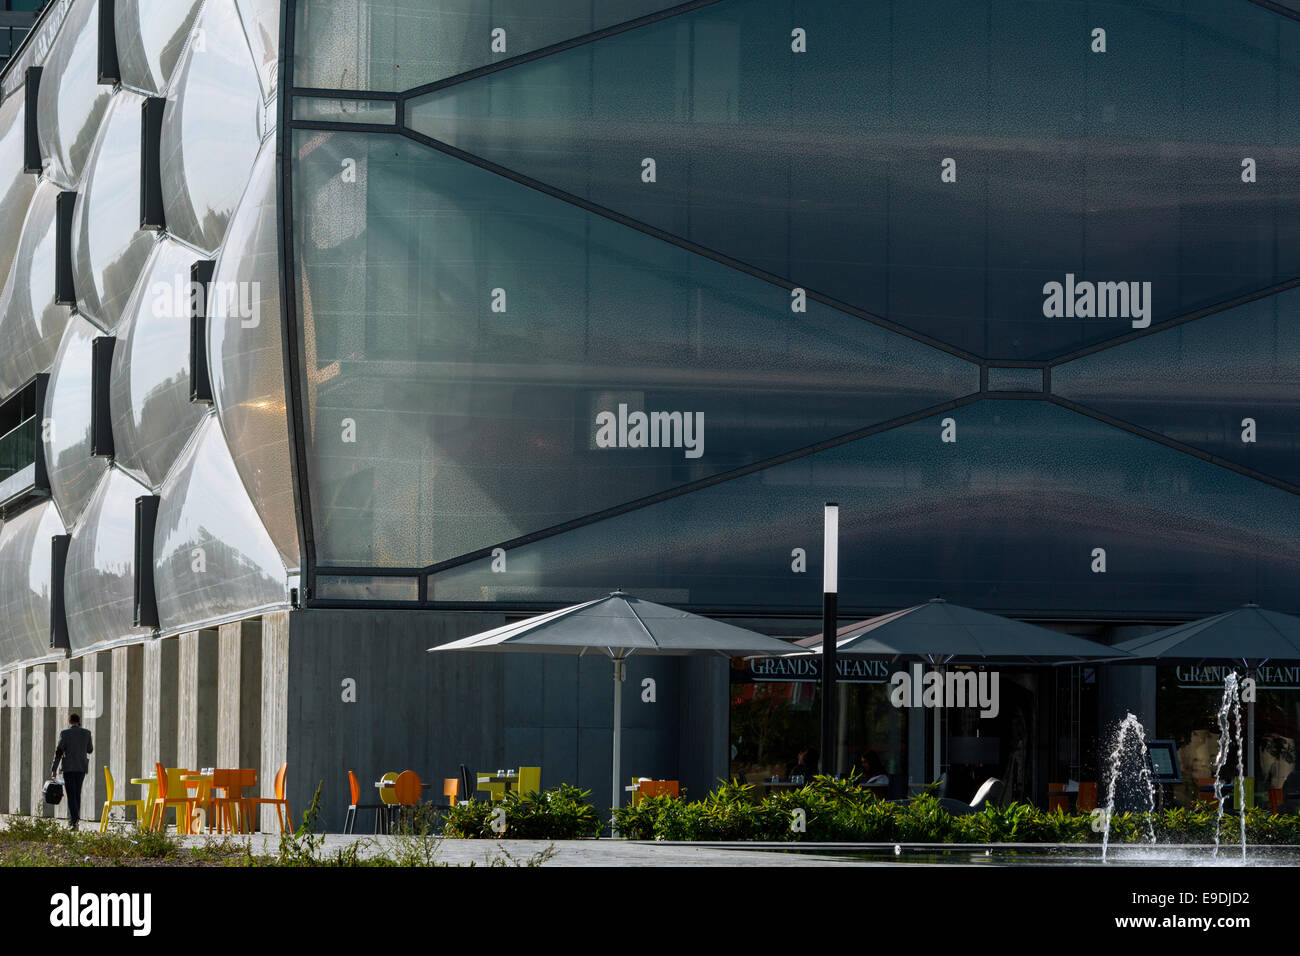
(75, 746)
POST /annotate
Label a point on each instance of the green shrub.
(560, 813)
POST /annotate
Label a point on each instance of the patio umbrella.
(620, 625)
(940, 632)
(1249, 634)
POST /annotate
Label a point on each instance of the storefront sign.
(851, 670)
(1268, 677)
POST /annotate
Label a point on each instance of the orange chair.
(1087, 797)
(223, 810)
(406, 792)
(1205, 789)
(168, 783)
(279, 801)
(656, 788)
(1057, 798)
(451, 790)
(354, 790)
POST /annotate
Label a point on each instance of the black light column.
(830, 594)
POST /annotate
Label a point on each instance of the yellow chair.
(388, 797)
(496, 790)
(110, 802)
(530, 780)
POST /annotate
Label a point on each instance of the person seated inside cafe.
(804, 766)
(873, 770)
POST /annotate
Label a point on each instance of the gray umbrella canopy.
(943, 631)
(1248, 633)
(620, 626)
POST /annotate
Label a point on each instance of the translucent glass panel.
(108, 247)
(99, 582)
(212, 557)
(71, 101)
(339, 110)
(73, 472)
(478, 356)
(25, 583)
(1228, 383)
(31, 324)
(150, 37)
(1007, 518)
(261, 19)
(366, 587)
(245, 356)
(211, 129)
(399, 44)
(16, 186)
(1117, 167)
(150, 386)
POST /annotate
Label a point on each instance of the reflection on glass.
(99, 581)
(398, 44)
(71, 101)
(25, 582)
(68, 400)
(478, 355)
(31, 323)
(245, 356)
(150, 384)
(1005, 519)
(16, 186)
(212, 556)
(1243, 403)
(210, 131)
(150, 37)
(1127, 173)
(341, 110)
(108, 247)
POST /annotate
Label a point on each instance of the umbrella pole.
(620, 674)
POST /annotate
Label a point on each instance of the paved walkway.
(566, 852)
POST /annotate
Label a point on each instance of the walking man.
(75, 744)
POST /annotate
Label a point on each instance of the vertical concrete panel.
(93, 703)
(196, 698)
(159, 706)
(125, 709)
(44, 735)
(151, 702)
(6, 708)
(250, 695)
(20, 737)
(275, 713)
(229, 648)
(64, 699)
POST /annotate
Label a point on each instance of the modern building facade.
(334, 330)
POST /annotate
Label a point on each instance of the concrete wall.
(432, 712)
